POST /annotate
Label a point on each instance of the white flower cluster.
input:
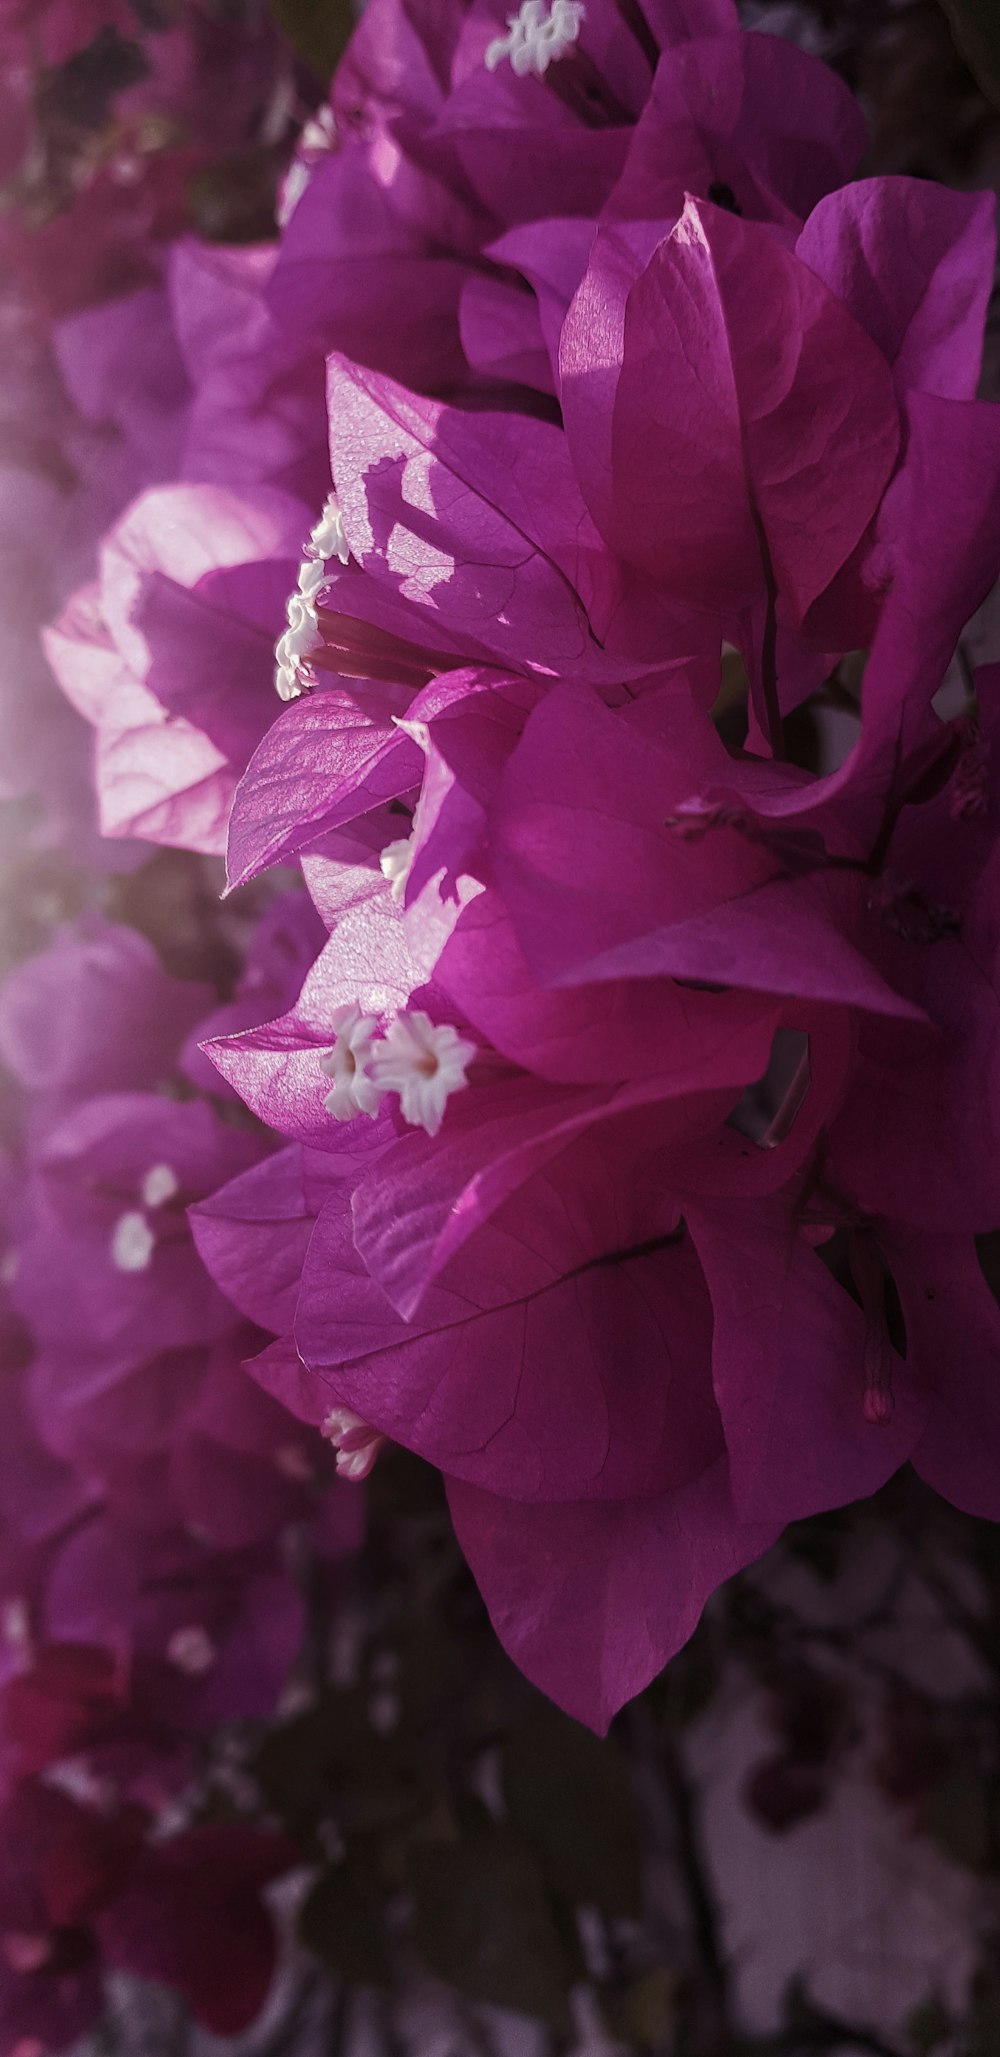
(301, 635)
(133, 1238)
(423, 1061)
(356, 1443)
(536, 36)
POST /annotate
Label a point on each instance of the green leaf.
(318, 30)
(975, 25)
(292, 1767)
(333, 1757)
(571, 1798)
(482, 1923)
(231, 200)
(341, 1922)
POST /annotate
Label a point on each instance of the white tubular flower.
(328, 538)
(301, 635)
(318, 137)
(536, 37)
(395, 862)
(160, 1184)
(423, 1062)
(132, 1242)
(356, 1443)
(353, 1090)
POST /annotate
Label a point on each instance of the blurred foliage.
(976, 29)
(460, 1829)
(318, 30)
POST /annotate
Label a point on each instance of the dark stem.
(769, 712)
(795, 1092)
(695, 1873)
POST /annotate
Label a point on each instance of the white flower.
(159, 1185)
(536, 38)
(328, 538)
(191, 1650)
(356, 1443)
(423, 1062)
(15, 1623)
(395, 862)
(132, 1242)
(301, 635)
(318, 137)
(346, 1063)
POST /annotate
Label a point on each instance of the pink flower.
(171, 656)
(464, 150)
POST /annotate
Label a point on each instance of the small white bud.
(133, 1242)
(160, 1184)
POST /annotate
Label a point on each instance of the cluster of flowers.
(622, 1089)
(157, 1510)
(162, 1521)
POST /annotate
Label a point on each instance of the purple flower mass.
(591, 1083)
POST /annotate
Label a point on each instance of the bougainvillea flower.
(777, 441)
(94, 1012)
(192, 1915)
(283, 946)
(599, 878)
(57, 1861)
(477, 125)
(745, 117)
(743, 434)
(256, 415)
(629, 1072)
(113, 1180)
(171, 657)
(115, 120)
(478, 522)
(495, 1414)
(212, 1633)
(78, 1885)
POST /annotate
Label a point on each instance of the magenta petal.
(326, 759)
(518, 145)
(434, 507)
(751, 112)
(584, 1034)
(914, 263)
(191, 1915)
(475, 1381)
(501, 333)
(419, 1204)
(600, 887)
(592, 1598)
(276, 1068)
(675, 21)
(787, 1363)
(552, 255)
(280, 1371)
(953, 1338)
(252, 1237)
(94, 1011)
(728, 431)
